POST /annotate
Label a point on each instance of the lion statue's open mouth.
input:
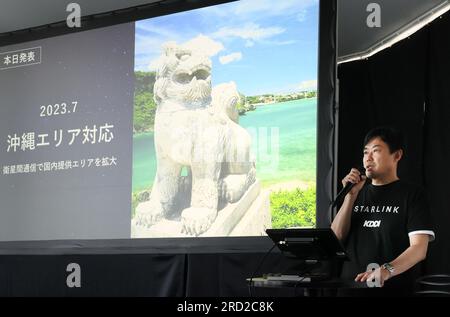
(198, 83)
(184, 77)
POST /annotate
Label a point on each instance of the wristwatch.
(389, 267)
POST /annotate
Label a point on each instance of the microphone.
(344, 191)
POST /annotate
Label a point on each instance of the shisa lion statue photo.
(196, 128)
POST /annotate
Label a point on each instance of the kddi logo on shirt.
(372, 223)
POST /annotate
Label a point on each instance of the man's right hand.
(356, 178)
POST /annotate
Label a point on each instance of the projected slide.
(66, 136)
(194, 124)
(225, 120)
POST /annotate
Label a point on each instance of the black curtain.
(157, 275)
(406, 86)
(325, 112)
(219, 274)
(387, 89)
(437, 142)
(226, 274)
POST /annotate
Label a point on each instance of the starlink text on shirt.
(385, 209)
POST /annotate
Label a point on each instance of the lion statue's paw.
(195, 221)
(147, 214)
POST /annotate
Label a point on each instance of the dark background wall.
(176, 267)
(406, 86)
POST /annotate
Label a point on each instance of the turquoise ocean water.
(284, 144)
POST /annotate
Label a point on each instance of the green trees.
(144, 81)
(144, 105)
(295, 208)
(144, 112)
(243, 106)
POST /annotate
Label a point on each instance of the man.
(383, 222)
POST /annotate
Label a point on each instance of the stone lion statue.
(196, 129)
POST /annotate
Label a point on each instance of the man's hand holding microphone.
(352, 182)
(357, 179)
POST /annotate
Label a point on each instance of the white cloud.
(149, 49)
(233, 57)
(250, 31)
(148, 45)
(204, 45)
(308, 85)
(150, 36)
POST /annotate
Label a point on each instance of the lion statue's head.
(183, 76)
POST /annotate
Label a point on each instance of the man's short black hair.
(391, 136)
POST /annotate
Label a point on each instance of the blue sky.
(264, 46)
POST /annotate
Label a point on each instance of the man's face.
(378, 161)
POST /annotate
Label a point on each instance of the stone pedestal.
(248, 217)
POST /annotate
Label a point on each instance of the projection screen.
(201, 123)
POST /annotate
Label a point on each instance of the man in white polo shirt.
(383, 220)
